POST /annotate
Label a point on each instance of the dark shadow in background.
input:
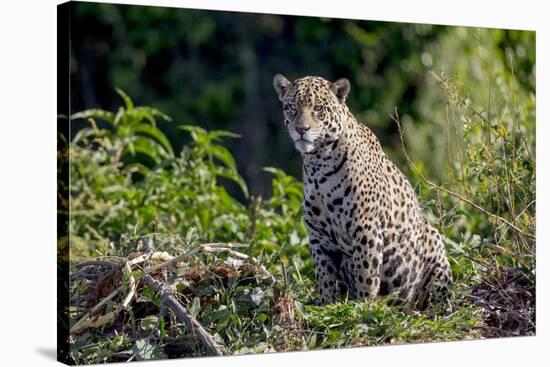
(214, 69)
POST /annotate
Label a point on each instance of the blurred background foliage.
(214, 69)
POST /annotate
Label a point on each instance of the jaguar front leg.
(367, 257)
(326, 270)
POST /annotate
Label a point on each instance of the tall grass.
(485, 204)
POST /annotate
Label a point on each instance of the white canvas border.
(28, 181)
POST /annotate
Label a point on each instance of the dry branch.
(201, 248)
(84, 322)
(169, 300)
(149, 264)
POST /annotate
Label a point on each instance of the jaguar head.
(314, 110)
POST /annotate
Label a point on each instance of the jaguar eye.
(318, 108)
(290, 109)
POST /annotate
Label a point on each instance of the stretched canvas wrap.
(233, 183)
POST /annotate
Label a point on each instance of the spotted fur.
(367, 235)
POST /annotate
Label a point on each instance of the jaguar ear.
(341, 89)
(281, 85)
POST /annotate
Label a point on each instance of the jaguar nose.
(301, 129)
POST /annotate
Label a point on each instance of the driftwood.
(117, 282)
(169, 300)
(87, 321)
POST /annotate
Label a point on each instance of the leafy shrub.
(127, 181)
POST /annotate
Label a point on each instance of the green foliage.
(119, 190)
(356, 323)
(121, 196)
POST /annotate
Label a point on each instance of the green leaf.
(149, 322)
(217, 134)
(150, 295)
(162, 327)
(233, 176)
(127, 101)
(223, 154)
(195, 307)
(137, 168)
(195, 131)
(301, 309)
(119, 116)
(145, 351)
(89, 133)
(153, 112)
(94, 113)
(146, 147)
(155, 134)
